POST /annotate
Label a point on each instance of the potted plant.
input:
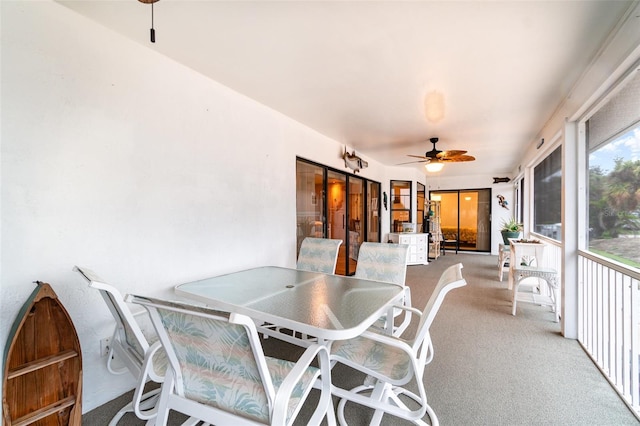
(510, 229)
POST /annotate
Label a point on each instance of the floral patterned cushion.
(318, 255)
(382, 262)
(382, 359)
(219, 367)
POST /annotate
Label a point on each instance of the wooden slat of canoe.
(41, 363)
(45, 412)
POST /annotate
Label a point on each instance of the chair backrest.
(216, 357)
(529, 253)
(451, 278)
(128, 332)
(318, 255)
(383, 262)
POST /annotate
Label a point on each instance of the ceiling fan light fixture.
(434, 166)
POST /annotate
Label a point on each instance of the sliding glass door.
(337, 205)
(466, 217)
(372, 210)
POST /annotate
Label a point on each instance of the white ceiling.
(359, 72)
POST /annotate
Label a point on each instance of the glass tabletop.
(326, 306)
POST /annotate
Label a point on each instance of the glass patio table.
(329, 307)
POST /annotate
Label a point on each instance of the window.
(613, 143)
(547, 193)
(420, 198)
(400, 203)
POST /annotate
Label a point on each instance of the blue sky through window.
(627, 147)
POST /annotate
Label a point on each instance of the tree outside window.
(614, 199)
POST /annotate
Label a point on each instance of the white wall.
(122, 161)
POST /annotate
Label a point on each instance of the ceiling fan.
(436, 159)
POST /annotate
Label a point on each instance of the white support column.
(572, 222)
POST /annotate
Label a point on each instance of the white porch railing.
(609, 322)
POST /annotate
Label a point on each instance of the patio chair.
(537, 295)
(391, 362)
(318, 255)
(388, 263)
(219, 374)
(130, 350)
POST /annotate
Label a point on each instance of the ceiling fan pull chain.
(153, 31)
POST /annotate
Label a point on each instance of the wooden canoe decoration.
(42, 383)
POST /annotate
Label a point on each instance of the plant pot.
(509, 234)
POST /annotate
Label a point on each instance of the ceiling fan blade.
(418, 156)
(451, 153)
(459, 159)
(412, 162)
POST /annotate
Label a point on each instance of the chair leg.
(147, 404)
(385, 392)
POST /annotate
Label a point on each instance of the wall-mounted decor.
(501, 180)
(503, 202)
(354, 162)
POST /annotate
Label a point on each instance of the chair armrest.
(389, 340)
(408, 308)
(147, 371)
(281, 400)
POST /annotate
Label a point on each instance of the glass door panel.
(448, 213)
(310, 217)
(337, 211)
(400, 204)
(373, 218)
(468, 219)
(484, 220)
(355, 217)
(420, 194)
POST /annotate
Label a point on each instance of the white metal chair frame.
(130, 347)
(386, 390)
(173, 395)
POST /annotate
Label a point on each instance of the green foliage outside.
(614, 212)
(614, 200)
(617, 258)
